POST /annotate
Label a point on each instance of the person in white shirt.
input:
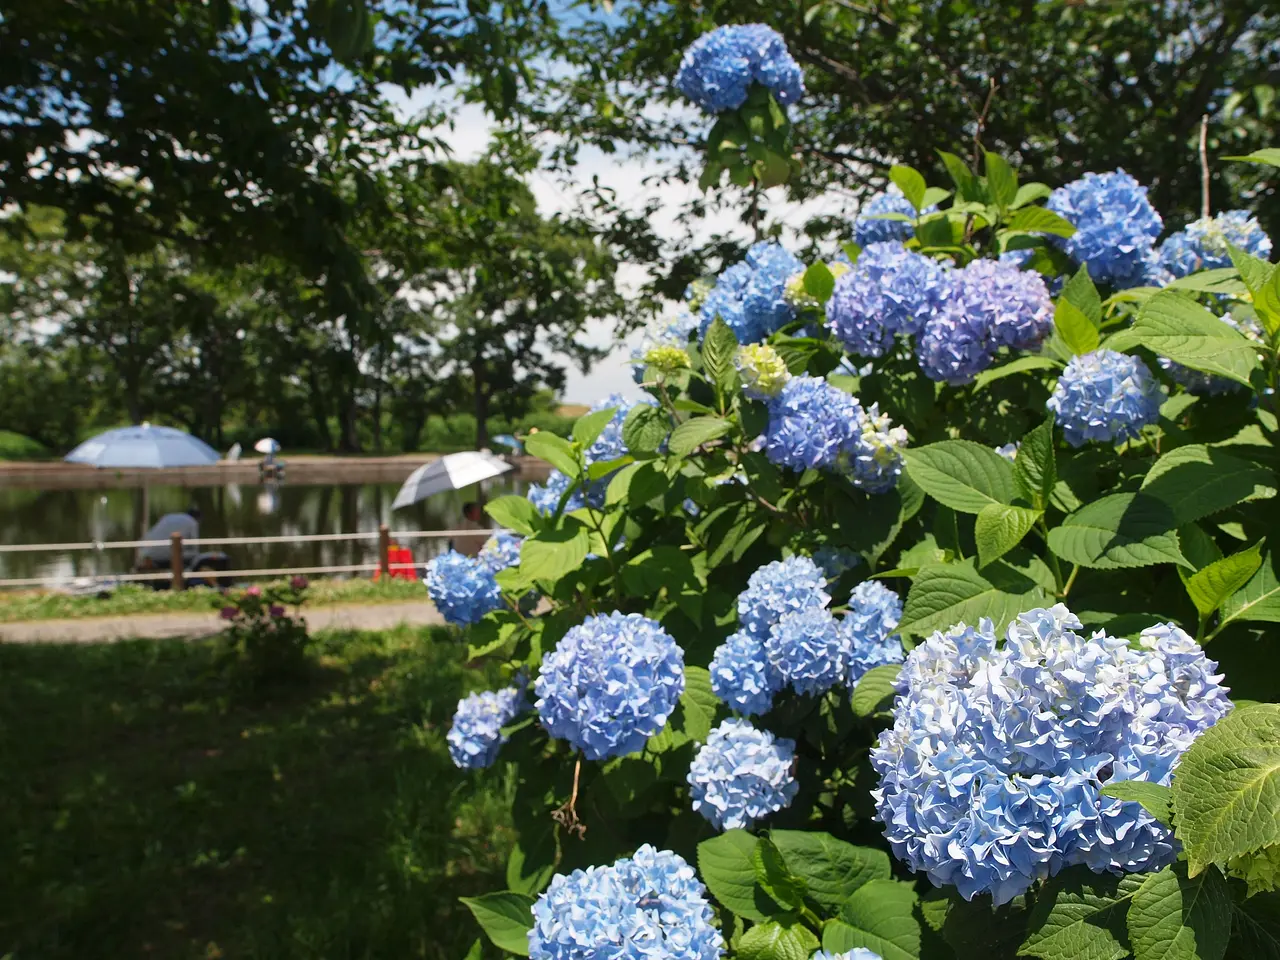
(473, 518)
(187, 524)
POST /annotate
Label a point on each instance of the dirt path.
(157, 626)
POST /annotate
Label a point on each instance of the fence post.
(384, 550)
(175, 560)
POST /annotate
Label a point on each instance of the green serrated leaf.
(698, 703)
(556, 451)
(645, 428)
(1079, 335)
(693, 433)
(1171, 324)
(776, 940)
(879, 916)
(1120, 530)
(1267, 155)
(550, 554)
(1082, 294)
(1226, 790)
(505, 917)
(832, 869)
(1256, 928)
(589, 426)
(1257, 600)
(775, 876)
(910, 182)
(1021, 365)
(1080, 915)
(1040, 220)
(961, 474)
(819, 282)
(873, 688)
(1002, 182)
(1210, 586)
(999, 528)
(951, 593)
(1155, 798)
(1173, 917)
(1198, 480)
(515, 513)
(719, 348)
(1035, 467)
(726, 866)
(967, 185)
(1030, 193)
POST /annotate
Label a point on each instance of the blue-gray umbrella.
(144, 446)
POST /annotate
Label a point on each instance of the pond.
(29, 515)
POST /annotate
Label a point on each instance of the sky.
(468, 139)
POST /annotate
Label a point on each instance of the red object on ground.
(400, 559)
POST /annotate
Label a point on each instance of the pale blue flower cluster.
(1203, 245)
(718, 69)
(648, 907)
(990, 777)
(868, 628)
(606, 447)
(1116, 227)
(890, 291)
(611, 683)
(857, 953)
(869, 228)
(545, 497)
(462, 588)
(750, 296)
(789, 638)
(988, 305)
(1009, 450)
(476, 734)
(741, 775)
(1105, 396)
(500, 551)
(813, 425)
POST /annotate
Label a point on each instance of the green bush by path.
(15, 446)
(150, 811)
(131, 599)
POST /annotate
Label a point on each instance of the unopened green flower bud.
(763, 371)
(667, 358)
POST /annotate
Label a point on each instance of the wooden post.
(175, 560)
(384, 550)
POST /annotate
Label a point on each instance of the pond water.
(29, 515)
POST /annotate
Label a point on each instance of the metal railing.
(177, 574)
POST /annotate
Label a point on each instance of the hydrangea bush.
(924, 610)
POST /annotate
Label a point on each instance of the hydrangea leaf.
(636, 484)
(1174, 917)
(1259, 599)
(773, 873)
(1040, 220)
(873, 688)
(1030, 193)
(1074, 328)
(506, 917)
(1002, 182)
(644, 429)
(1226, 791)
(1118, 531)
(699, 703)
(1199, 480)
(961, 474)
(557, 451)
(1173, 325)
(832, 869)
(727, 868)
(588, 427)
(1021, 365)
(1256, 927)
(693, 433)
(550, 554)
(951, 593)
(1035, 468)
(718, 349)
(776, 940)
(819, 282)
(1080, 915)
(1210, 586)
(1267, 155)
(1080, 292)
(514, 513)
(1156, 798)
(880, 916)
(532, 862)
(1000, 528)
(910, 182)
(1221, 280)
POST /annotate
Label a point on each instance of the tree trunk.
(319, 409)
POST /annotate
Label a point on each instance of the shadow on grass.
(148, 810)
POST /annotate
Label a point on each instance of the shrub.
(265, 640)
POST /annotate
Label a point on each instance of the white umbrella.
(452, 472)
(144, 446)
(267, 445)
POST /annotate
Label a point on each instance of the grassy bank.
(130, 599)
(149, 810)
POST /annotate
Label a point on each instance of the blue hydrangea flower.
(868, 228)
(836, 561)
(462, 588)
(955, 347)
(1013, 304)
(991, 776)
(890, 290)
(857, 953)
(874, 458)
(476, 734)
(717, 70)
(1010, 450)
(1105, 396)
(741, 775)
(750, 296)
(777, 588)
(1116, 226)
(742, 676)
(610, 684)
(810, 424)
(1203, 244)
(610, 445)
(874, 613)
(500, 551)
(648, 907)
(809, 650)
(545, 497)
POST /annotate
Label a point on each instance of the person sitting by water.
(473, 518)
(187, 524)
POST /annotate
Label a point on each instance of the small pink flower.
(276, 610)
(253, 592)
(299, 582)
(228, 613)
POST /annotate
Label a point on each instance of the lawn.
(131, 599)
(151, 810)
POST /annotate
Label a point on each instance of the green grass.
(150, 810)
(130, 599)
(15, 446)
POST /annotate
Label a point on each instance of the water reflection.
(234, 510)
